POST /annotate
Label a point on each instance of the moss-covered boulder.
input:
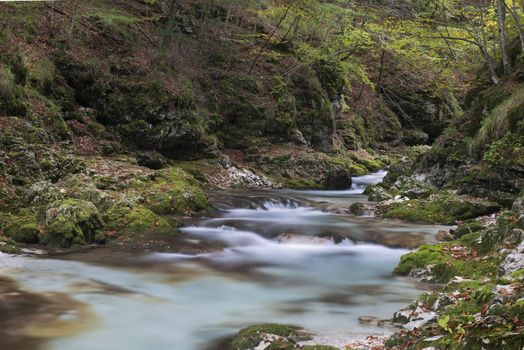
(441, 209)
(279, 336)
(412, 188)
(140, 220)
(72, 222)
(440, 263)
(466, 227)
(42, 192)
(8, 246)
(23, 229)
(174, 192)
(377, 193)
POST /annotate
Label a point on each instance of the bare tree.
(268, 40)
(501, 20)
(513, 11)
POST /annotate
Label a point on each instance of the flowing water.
(285, 258)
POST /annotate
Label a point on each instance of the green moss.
(251, 336)
(444, 267)
(331, 75)
(357, 169)
(518, 275)
(301, 184)
(13, 99)
(441, 209)
(8, 246)
(174, 192)
(467, 227)
(72, 222)
(140, 220)
(23, 230)
(371, 165)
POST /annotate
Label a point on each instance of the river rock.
(363, 209)
(513, 261)
(444, 236)
(338, 179)
(377, 194)
(244, 178)
(71, 221)
(413, 188)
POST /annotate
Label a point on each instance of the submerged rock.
(29, 319)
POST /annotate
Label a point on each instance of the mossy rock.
(72, 222)
(140, 220)
(357, 169)
(377, 193)
(338, 179)
(23, 230)
(412, 188)
(442, 267)
(174, 192)
(250, 337)
(441, 209)
(371, 165)
(302, 184)
(467, 227)
(8, 246)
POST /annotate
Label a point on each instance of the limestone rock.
(377, 194)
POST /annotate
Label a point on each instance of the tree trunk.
(491, 65)
(514, 13)
(501, 19)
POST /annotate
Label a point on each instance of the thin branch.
(266, 43)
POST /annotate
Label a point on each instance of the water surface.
(284, 259)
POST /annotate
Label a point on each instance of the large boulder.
(338, 179)
(72, 222)
(413, 188)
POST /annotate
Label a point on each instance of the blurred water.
(284, 260)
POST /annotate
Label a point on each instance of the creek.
(289, 257)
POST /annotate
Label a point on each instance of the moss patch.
(250, 337)
(23, 230)
(174, 192)
(72, 222)
(8, 246)
(446, 261)
(441, 209)
(141, 220)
